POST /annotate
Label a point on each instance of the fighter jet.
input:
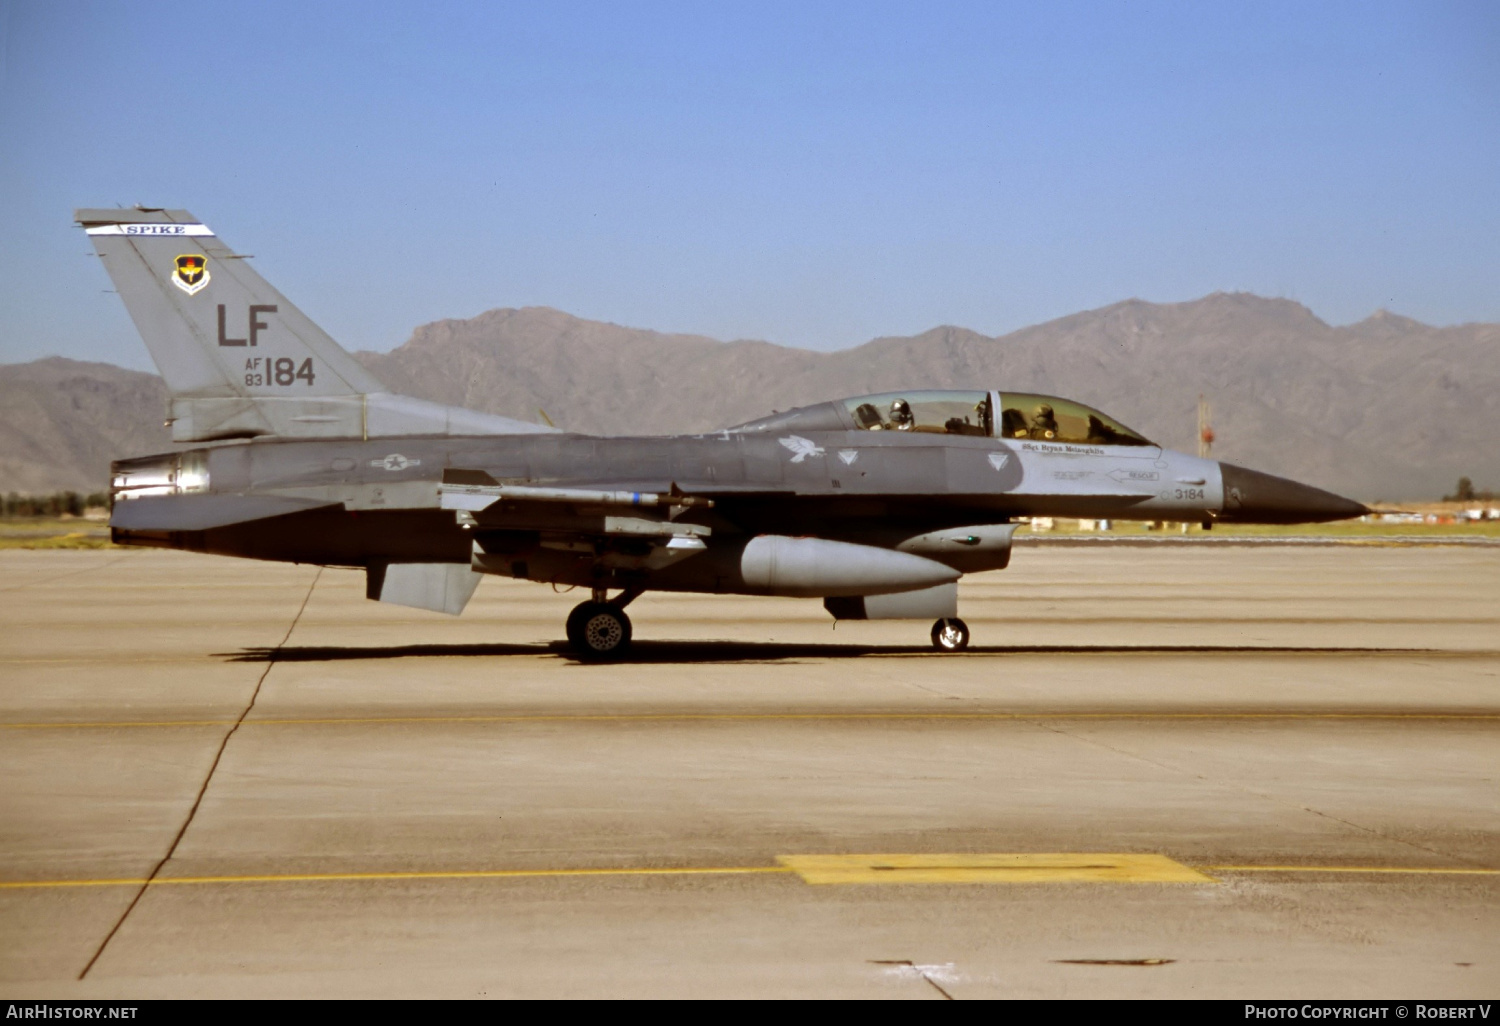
(876, 504)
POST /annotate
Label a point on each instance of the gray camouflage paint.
(337, 471)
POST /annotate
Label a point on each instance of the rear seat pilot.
(901, 418)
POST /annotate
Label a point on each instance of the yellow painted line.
(1055, 867)
(457, 874)
(1412, 870)
(749, 717)
(122, 723)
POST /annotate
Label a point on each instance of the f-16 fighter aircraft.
(877, 505)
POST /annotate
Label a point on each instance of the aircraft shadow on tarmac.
(751, 652)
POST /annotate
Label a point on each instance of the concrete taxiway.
(1193, 771)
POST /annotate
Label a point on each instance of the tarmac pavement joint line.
(202, 788)
(70, 573)
(1161, 763)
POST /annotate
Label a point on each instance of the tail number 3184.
(279, 370)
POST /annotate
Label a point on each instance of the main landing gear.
(599, 629)
(950, 634)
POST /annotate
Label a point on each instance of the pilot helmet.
(1044, 410)
(901, 409)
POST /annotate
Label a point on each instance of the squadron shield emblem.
(190, 272)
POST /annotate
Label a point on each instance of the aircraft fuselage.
(365, 503)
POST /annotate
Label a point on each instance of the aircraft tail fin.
(239, 359)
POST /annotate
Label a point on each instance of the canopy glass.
(1041, 418)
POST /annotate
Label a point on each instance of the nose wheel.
(598, 630)
(950, 634)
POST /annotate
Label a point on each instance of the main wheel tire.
(598, 630)
(950, 635)
(574, 627)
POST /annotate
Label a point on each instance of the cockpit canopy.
(1042, 418)
(944, 412)
(1048, 418)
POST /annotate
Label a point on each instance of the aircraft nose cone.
(1255, 498)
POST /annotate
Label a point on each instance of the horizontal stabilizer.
(374, 415)
(440, 587)
(203, 512)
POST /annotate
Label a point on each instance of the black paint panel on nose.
(1251, 497)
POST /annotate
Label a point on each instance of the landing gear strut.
(950, 634)
(599, 629)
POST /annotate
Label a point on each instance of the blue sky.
(812, 174)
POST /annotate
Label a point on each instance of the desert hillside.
(1384, 409)
(62, 421)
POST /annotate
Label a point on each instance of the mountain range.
(1387, 408)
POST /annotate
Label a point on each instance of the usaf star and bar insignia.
(190, 272)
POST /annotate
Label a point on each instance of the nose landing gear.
(599, 629)
(950, 634)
